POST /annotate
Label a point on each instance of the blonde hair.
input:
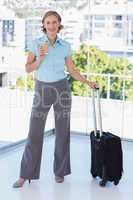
(49, 13)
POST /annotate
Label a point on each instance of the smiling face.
(51, 24)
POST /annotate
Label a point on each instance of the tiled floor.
(79, 185)
(3, 144)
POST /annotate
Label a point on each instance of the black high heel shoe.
(19, 183)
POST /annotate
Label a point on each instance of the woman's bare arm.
(76, 74)
(32, 63)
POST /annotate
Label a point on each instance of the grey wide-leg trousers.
(57, 94)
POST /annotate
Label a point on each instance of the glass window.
(99, 25)
(118, 17)
(117, 33)
(99, 17)
(117, 25)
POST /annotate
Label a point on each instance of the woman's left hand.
(93, 85)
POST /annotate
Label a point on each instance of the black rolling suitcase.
(106, 150)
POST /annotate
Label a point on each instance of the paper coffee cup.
(45, 47)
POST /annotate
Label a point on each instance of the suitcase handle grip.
(99, 115)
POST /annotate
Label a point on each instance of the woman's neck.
(52, 39)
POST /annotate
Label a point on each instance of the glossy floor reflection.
(79, 185)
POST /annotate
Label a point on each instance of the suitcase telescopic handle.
(99, 115)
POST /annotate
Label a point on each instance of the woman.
(47, 57)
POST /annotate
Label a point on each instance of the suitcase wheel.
(116, 182)
(102, 183)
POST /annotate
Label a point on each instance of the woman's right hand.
(33, 63)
